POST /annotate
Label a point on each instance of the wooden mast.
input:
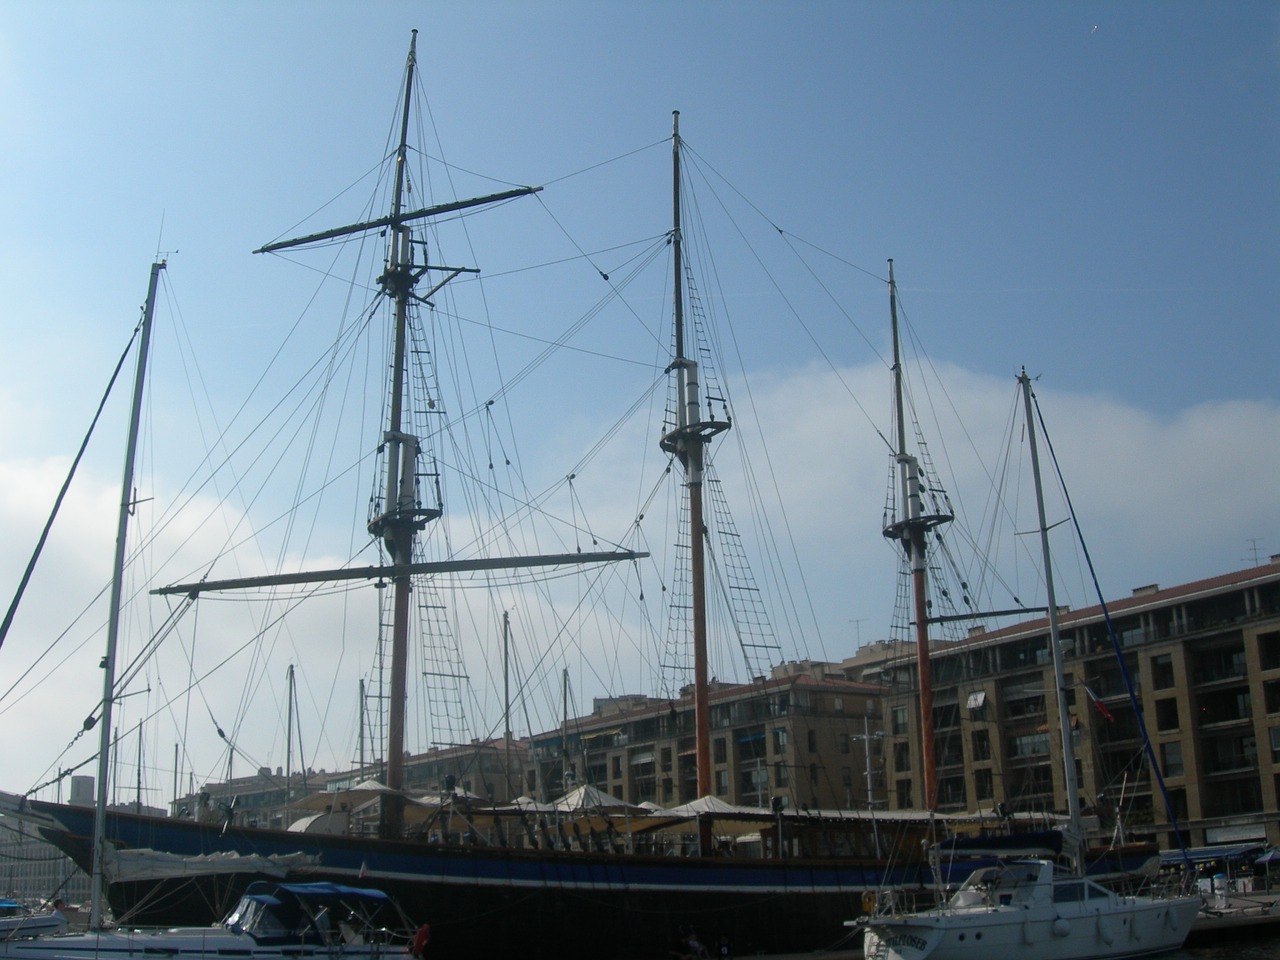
(98, 881)
(686, 441)
(403, 518)
(911, 530)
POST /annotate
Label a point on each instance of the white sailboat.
(1029, 908)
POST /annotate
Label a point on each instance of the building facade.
(1204, 661)
(807, 735)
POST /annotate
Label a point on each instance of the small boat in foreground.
(17, 920)
(299, 920)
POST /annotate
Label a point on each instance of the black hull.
(529, 903)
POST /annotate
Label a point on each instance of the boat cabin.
(313, 913)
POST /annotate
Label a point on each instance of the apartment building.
(1204, 660)
(806, 734)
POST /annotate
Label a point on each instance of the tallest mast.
(399, 524)
(687, 442)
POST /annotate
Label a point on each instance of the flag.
(1106, 714)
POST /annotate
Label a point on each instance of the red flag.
(1107, 715)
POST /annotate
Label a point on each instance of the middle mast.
(687, 441)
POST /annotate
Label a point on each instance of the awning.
(1226, 851)
(976, 700)
(639, 758)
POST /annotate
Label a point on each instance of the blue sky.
(1089, 189)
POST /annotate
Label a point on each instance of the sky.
(1089, 190)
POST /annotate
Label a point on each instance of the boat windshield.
(998, 886)
(258, 916)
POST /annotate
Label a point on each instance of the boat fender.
(1104, 930)
(420, 940)
(1061, 927)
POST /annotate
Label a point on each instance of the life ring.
(420, 940)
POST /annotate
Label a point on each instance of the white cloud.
(1160, 500)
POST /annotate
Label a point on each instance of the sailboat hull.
(1142, 931)
(1021, 909)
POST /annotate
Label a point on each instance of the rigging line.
(796, 314)
(740, 439)
(264, 450)
(660, 238)
(1115, 641)
(294, 230)
(658, 243)
(665, 141)
(834, 256)
(786, 239)
(66, 484)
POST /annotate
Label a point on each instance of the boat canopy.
(1199, 855)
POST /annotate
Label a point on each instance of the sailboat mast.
(911, 530)
(402, 450)
(1055, 638)
(98, 882)
(687, 441)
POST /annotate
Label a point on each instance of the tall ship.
(528, 877)
(520, 893)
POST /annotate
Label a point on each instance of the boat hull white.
(1073, 931)
(181, 944)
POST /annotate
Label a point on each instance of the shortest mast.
(1055, 638)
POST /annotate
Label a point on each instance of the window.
(900, 720)
(813, 775)
(1167, 714)
(1162, 671)
(977, 705)
(951, 791)
(903, 789)
(981, 745)
(617, 767)
(1275, 744)
(781, 774)
(983, 788)
(1269, 649)
(1271, 695)
(813, 741)
(1171, 759)
(838, 703)
(844, 743)
(779, 740)
(722, 783)
(901, 757)
(1029, 745)
(718, 750)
